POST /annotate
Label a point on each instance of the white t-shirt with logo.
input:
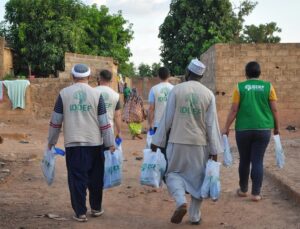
(158, 96)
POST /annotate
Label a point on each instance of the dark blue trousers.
(252, 145)
(85, 165)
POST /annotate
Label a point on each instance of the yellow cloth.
(236, 95)
(135, 128)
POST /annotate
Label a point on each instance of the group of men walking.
(184, 118)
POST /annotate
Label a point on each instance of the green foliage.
(144, 70)
(154, 69)
(260, 34)
(9, 76)
(191, 27)
(41, 31)
(127, 69)
(99, 33)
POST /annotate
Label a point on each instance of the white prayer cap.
(196, 67)
(81, 71)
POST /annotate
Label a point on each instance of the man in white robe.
(191, 118)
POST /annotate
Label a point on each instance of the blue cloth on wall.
(16, 90)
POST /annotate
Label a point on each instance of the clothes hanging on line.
(16, 90)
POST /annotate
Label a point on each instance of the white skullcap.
(81, 71)
(196, 67)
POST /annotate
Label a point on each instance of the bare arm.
(231, 117)
(151, 115)
(275, 115)
(118, 122)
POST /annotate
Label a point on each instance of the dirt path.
(24, 194)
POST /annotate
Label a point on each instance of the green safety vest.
(254, 109)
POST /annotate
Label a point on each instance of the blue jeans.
(252, 145)
(85, 165)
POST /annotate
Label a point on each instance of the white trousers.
(176, 188)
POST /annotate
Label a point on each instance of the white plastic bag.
(148, 140)
(113, 168)
(48, 165)
(227, 156)
(211, 186)
(153, 168)
(280, 158)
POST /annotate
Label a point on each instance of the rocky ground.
(24, 194)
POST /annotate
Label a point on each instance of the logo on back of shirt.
(105, 97)
(249, 87)
(164, 92)
(81, 96)
(192, 105)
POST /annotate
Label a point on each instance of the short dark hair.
(163, 73)
(252, 69)
(105, 75)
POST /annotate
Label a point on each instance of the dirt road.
(24, 194)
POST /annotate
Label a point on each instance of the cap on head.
(81, 71)
(196, 67)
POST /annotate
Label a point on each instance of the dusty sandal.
(256, 198)
(179, 214)
(80, 218)
(240, 193)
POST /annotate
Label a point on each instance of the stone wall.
(96, 63)
(6, 59)
(280, 64)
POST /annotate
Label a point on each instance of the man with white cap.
(86, 130)
(193, 125)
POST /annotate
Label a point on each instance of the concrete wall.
(6, 59)
(96, 63)
(280, 64)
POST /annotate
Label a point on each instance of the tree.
(260, 34)
(103, 34)
(144, 70)
(191, 27)
(127, 70)
(154, 69)
(41, 31)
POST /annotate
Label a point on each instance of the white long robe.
(187, 162)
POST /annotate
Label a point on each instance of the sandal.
(96, 213)
(80, 218)
(241, 194)
(179, 214)
(256, 198)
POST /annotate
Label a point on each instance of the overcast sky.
(147, 15)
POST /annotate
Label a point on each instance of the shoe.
(80, 218)
(256, 198)
(196, 223)
(241, 194)
(96, 213)
(179, 214)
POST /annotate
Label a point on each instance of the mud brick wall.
(96, 63)
(209, 77)
(144, 84)
(6, 59)
(280, 64)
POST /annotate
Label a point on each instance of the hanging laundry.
(1, 91)
(16, 90)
